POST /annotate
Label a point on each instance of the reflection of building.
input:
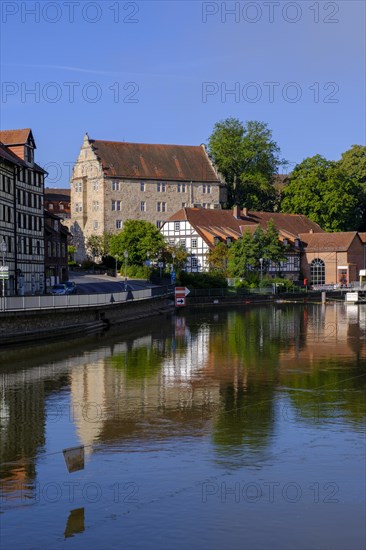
(116, 181)
(199, 231)
(56, 259)
(21, 212)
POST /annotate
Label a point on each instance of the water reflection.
(218, 374)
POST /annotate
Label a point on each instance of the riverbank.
(45, 324)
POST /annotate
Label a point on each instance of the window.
(160, 187)
(142, 186)
(182, 243)
(95, 206)
(159, 223)
(96, 186)
(194, 262)
(206, 188)
(143, 206)
(63, 250)
(161, 206)
(181, 187)
(115, 185)
(50, 206)
(78, 207)
(95, 224)
(317, 272)
(205, 205)
(176, 226)
(171, 242)
(116, 205)
(184, 204)
(61, 206)
(78, 187)
(118, 224)
(194, 243)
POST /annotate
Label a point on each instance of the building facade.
(57, 201)
(116, 181)
(199, 230)
(21, 212)
(56, 257)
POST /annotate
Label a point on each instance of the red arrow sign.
(181, 291)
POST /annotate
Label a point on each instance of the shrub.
(136, 272)
(202, 280)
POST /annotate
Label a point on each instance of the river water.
(214, 429)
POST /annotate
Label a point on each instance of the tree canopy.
(324, 192)
(248, 158)
(140, 238)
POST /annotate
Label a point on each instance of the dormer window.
(29, 154)
(229, 240)
(216, 240)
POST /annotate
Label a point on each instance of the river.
(211, 429)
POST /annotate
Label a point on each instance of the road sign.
(160, 264)
(180, 301)
(181, 291)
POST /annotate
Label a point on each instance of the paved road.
(94, 284)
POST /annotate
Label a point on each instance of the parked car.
(71, 287)
(59, 290)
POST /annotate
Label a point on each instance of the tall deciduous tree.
(248, 158)
(140, 238)
(98, 245)
(353, 162)
(324, 192)
(218, 259)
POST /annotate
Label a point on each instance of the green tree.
(218, 258)
(242, 256)
(273, 249)
(99, 245)
(180, 256)
(324, 192)
(140, 238)
(353, 162)
(248, 158)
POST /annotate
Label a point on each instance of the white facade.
(182, 233)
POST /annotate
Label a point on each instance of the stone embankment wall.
(23, 326)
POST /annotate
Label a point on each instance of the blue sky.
(161, 72)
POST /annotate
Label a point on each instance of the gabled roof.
(222, 223)
(16, 137)
(328, 242)
(7, 154)
(158, 162)
(55, 194)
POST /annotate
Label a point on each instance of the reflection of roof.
(157, 162)
(15, 137)
(222, 223)
(328, 242)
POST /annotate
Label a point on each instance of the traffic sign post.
(180, 296)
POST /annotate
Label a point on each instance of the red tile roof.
(157, 162)
(15, 137)
(7, 154)
(328, 242)
(222, 223)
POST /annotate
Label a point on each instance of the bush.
(88, 264)
(286, 284)
(202, 280)
(136, 272)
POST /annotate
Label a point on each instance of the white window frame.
(143, 206)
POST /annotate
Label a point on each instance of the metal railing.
(23, 303)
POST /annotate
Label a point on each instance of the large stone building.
(21, 212)
(116, 181)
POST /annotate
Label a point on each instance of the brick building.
(21, 212)
(56, 257)
(116, 181)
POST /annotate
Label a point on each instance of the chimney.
(236, 212)
(311, 231)
(245, 212)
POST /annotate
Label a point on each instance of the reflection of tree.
(140, 362)
(245, 422)
(334, 393)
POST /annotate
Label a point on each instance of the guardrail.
(26, 303)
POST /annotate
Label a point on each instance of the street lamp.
(116, 257)
(173, 258)
(3, 250)
(261, 262)
(126, 256)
